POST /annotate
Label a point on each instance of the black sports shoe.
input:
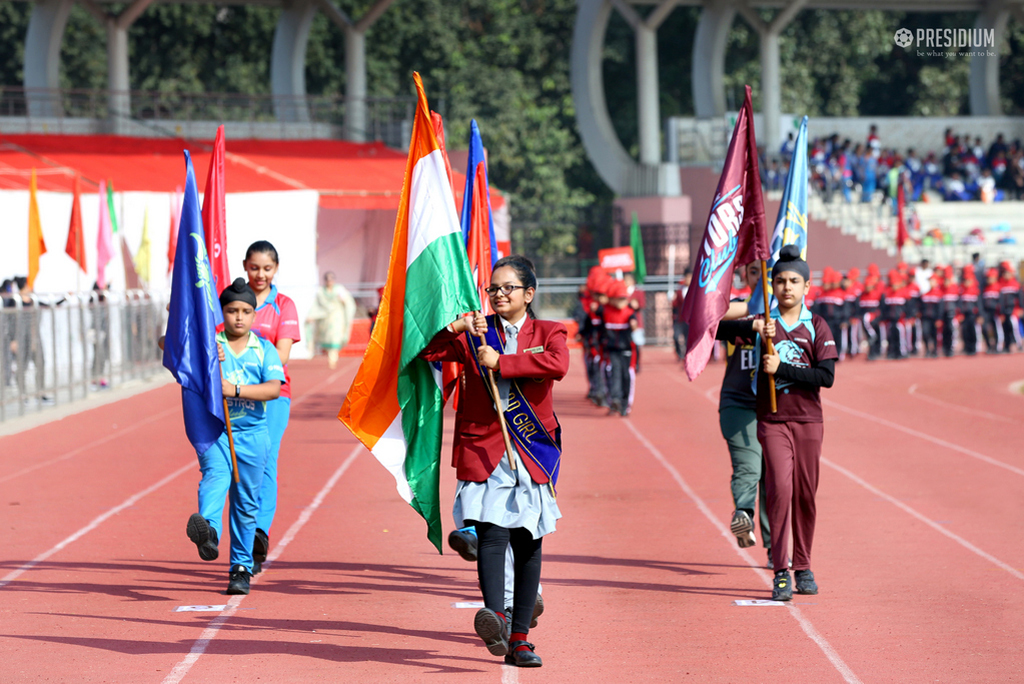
(805, 583)
(783, 586)
(203, 536)
(463, 543)
(238, 582)
(260, 546)
(493, 630)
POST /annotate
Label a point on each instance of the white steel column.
(288, 61)
(42, 56)
(708, 71)
(984, 77)
(648, 111)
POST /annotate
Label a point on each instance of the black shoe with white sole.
(464, 543)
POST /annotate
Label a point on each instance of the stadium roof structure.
(346, 175)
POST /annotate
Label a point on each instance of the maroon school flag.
(735, 234)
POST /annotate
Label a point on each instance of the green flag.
(636, 241)
(110, 206)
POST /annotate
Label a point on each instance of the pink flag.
(104, 239)
(215, 216)
(735, 234)
(172, 241)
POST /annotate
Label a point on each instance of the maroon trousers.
(792, 452)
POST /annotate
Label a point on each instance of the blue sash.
(531, 439)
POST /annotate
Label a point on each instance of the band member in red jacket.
(991, 326)
(508, 495)
(870, 311)
(1009, 302)
(969, 308)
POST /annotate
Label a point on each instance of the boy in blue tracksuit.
(252, 375)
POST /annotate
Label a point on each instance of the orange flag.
(75, 246)
(36, 245)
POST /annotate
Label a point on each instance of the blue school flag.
(474, 161)
(791, 225)
(190, 346)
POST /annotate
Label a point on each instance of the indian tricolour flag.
(395, 403)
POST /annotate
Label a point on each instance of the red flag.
(735, 234)
(214, 216)
(172, 242)
(901, 219)
(450, 371)
(75, 246)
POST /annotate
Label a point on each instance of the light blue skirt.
(501, 501)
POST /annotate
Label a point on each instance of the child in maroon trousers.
(803, 362)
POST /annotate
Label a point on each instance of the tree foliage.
(506, 63)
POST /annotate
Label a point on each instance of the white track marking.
(927, 521)
(127, 503)
(925, 436)
(90, 445)
(962, 409)
(899, 504)
(509, 674)
(208, 634)
(804, 623)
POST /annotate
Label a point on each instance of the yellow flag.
(142, 256)
(36, 245)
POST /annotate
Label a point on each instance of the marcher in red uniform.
(1009, 302)
(950, 306)
(507, 506)
(803, 362)
(853, 288)
(969, 296)
(870, 312)
(618, 323)
(991, 326)
(893, 310)
(931, 312)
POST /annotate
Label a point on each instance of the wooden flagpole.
(768, 340)
(231, 437)
(501, 418)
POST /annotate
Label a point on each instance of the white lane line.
(927, 521)
(804, 623)
(962, 409)
(509, 674)
(102, 440)
(925, 436)
(208, 634)
(127, 503)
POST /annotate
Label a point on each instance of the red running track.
(918, 550)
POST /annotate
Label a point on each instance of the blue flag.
(476, 169)
(190, 347)
(791, 226)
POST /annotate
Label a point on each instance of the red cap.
(901, 266)
(617, 288)
(853, 273)
(968, 271)
(874, 270)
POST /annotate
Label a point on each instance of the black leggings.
(492, 541)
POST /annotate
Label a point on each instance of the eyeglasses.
(504, 289)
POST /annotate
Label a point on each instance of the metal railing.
(388, 119)
(59, 348)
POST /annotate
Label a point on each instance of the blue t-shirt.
(259, 363)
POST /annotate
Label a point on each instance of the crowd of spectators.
(964, 170)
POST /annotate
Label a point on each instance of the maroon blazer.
(479, 446)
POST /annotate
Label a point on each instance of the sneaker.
(805, 583)
(260, 546)
(493, 630)
(257, 568)
(743, 527)
(782, 589)
(463, 542)
(203, 536)
(238, 581)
